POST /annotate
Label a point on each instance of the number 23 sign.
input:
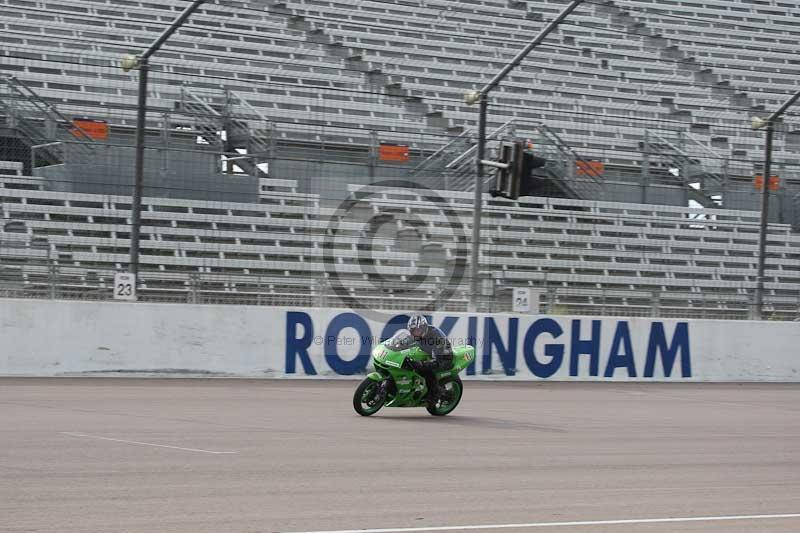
(125, 286)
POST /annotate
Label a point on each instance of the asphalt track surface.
(159, 455)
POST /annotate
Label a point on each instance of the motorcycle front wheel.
(367, 399)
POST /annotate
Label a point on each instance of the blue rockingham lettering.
(545, 345)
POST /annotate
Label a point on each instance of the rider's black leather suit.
(435, 344)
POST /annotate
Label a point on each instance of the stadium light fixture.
(757, 123)
(129, 62)
(472, 97)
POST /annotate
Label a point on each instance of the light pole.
(481, 97)
(130, 62)
(769, 123)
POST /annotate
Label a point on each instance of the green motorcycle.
(392, 385)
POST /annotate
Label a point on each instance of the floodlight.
(129, 62)
(470, 97)
(758, 123)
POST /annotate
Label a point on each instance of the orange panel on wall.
(590, 167)
(393, 152)
(94, 129)
(774, 182)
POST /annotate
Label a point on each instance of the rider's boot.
(430, 384)
(435, 393)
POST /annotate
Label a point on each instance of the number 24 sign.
(125, 286)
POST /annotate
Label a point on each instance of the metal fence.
(46, 280)
(394, 248)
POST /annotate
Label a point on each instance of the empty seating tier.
(398, 246)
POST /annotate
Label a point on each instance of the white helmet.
(418, 326)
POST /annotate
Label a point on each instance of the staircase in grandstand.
(229, 123)
(45, 131)
(691, 164)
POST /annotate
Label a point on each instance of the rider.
(432, 341)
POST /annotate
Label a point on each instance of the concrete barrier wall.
(49, 338)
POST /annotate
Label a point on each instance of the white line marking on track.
(563, 524)
(84, 435)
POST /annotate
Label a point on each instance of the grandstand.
(585, 257)
(268, 120)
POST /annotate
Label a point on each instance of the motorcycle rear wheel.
(367, 399)
(454, 389)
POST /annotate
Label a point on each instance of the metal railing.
(40, 122)
(441, 158)
(26, 275)
(695, 163)
(244, 127)
(563, 165)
